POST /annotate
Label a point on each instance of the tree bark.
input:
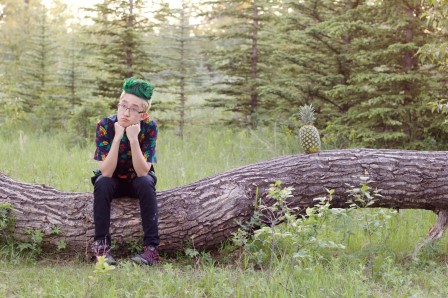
(204, 213)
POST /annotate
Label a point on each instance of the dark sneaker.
(149, 256)
(99, 249)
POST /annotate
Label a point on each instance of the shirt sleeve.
(148, 144)
(102, 141)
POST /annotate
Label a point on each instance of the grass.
(340, 278)
(204, 152)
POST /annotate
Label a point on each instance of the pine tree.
(239, 55)
(355, 61)
(180, 55)
(118, 40)
(33, 37)
(309, 60)
(436, 52)
(15, 36)
(14, 42)
(389, 93)
(74, 77)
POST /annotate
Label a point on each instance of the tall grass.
(203, 152)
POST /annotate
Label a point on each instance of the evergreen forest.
(374, 70)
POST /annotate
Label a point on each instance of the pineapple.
(308, 133)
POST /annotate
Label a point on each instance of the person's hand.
(119, 131)
(132, 132)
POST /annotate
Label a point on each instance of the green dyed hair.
(138, 87)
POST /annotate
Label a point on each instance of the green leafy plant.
(61, 245)
(191, 253)
(136, 245)
(6, 221)
(102, 268)
(288, 232)
(12, 113)
(55, 230)
(34, 246)
(200, 257)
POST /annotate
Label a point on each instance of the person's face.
(130, 110)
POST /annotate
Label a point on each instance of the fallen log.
(206, 212)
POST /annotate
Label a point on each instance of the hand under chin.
(125, 124)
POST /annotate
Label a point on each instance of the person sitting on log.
(126, 152)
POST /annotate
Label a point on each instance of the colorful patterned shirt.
(147, 137)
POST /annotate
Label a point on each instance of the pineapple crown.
(307, 114)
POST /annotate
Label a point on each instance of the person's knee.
(145, 181)
(103, 183)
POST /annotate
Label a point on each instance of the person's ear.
(143, 116)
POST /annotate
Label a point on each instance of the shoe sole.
(111, 263)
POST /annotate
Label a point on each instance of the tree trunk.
(254, 67)
(182, 68)
(205, 212)
(130, 25)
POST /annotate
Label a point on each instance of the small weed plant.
(61, 244)
(200, 258)
(102, 266)
(372, 222)
(34, 245)
(102, 269)
(6, 221)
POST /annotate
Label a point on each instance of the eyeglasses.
(134, 111)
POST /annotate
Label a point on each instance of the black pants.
(143, 188)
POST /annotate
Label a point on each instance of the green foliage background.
(237, 63)
(375, 71)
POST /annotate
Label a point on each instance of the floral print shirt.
(147, 137)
